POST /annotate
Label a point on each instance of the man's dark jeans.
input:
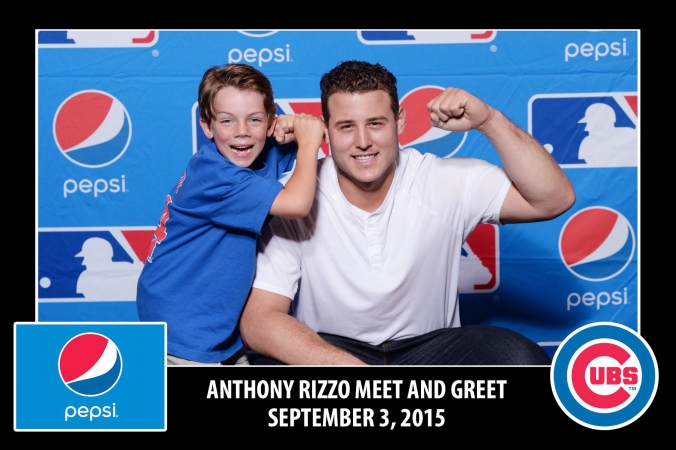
(466, 345)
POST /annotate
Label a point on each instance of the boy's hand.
(308, 131)
(284, 129)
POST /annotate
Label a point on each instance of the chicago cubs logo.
(604, 376)
(92, 129)
(90, 364)
(597, 243)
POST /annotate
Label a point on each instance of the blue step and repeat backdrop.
(117, 121)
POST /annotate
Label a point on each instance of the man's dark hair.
(358, 76)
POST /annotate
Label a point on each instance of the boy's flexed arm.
(295, 200)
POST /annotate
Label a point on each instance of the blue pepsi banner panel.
(117, 121)
(90, 376)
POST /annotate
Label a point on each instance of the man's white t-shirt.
(390, 274)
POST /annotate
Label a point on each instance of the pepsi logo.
(418, 129)
(604, 375)
(92, 128)
(90, 364)
(597, 243)
(258, 33)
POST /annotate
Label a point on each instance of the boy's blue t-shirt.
(202, 258)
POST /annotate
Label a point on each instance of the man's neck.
(367, 196)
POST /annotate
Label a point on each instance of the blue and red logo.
(597, 243)
(479, 261)
(404, 37)
(604, 376)
(92, 128)
(90, 364)
(93, 264)
(97, 38)
(419, 133)
(587, 130)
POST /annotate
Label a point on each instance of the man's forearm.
(278, 335)
(534, 172)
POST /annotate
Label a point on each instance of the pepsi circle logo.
(90, 364)
(597, 243)
(258, 33)
(92, 128)
(418, 129)
(604, 376)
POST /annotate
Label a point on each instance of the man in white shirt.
(373, 269)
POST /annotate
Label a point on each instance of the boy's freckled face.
(240, 126)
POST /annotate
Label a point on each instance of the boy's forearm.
(295, 200)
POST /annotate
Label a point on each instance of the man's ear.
(271, 126)
(326, 132)
(401, 120)
(206, 128)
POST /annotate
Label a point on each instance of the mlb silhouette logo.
(93, 264)
(90, 376)
(480, 261)
(587, 130)
(97, 38)
(404, 37)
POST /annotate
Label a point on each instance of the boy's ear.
(206, 128)
(271, 127)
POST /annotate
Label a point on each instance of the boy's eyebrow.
(216, 112)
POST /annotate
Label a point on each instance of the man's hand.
(541, 190)
(458, 110)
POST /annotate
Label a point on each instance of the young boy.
(202, 257)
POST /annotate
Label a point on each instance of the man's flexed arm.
(540, 190)
(268, 329)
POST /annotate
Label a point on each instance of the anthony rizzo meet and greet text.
(361, 392)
